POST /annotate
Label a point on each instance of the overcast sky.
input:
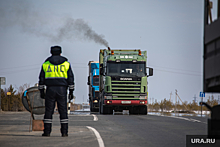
(170, 30)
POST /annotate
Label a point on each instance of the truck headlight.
(108, 97)
(142, 102)
(95, 101)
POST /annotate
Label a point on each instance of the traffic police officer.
(57, 75)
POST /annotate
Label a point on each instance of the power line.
(9, 72)
(28, 69)
(19, 66)
(176, 69)
(178, 72)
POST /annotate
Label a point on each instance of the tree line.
(11, 99)
(13, 102)
(167, 105)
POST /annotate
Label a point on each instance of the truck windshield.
(96, 80)
(126, 69)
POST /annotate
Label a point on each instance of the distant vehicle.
(123, 81)
(93, 82)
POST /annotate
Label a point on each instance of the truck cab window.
(126, 69)
(96, 80)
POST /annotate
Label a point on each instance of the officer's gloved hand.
(70, 94)
(42, 94)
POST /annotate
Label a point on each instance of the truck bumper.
(125, 102)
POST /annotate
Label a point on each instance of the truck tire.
(90, 104)
(104, 110)
(92, 110)
(134, 111)
(143, 110)
(110, 110)
(91, 107)
(100, 107)
(107, 110)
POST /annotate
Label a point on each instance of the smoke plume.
(21, 14)
(80, 29)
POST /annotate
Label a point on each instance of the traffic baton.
(69, 104)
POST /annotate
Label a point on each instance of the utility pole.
(9, 100)
(0, 94)
(194, 98)
(170, 95)
(182, 101)
(175, 102)
(2, 82)
(194, 101)
(83, 103)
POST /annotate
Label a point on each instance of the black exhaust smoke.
(32, 21)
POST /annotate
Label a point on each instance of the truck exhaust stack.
(109, 48)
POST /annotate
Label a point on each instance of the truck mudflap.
(125, 102)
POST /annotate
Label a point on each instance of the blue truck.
(93, 83)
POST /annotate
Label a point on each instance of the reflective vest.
(56, 71)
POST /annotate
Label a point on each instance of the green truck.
(123, 81)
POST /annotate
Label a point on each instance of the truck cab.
(93, 83)
(123, 81)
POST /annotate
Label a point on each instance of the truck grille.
(126, 89)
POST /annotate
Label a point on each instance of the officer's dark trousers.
(53, 94)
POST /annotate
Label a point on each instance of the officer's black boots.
(64, 135)
(64, 129)
(46, 135)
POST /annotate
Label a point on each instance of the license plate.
(126, 102)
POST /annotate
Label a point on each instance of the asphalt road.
(94, 130)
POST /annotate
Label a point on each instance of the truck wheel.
(91, 106)
(107, 110)
(96, 109)
(100, 107)
(143, 110)
(104, 111)
(110, 110)
(134, 110)
(92, 110)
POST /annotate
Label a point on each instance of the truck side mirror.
(101, 69)
(150, 71)
(88, 83)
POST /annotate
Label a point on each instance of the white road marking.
(188, 119)
(99, 138)
(95, 117)
(194, 120)
(79, 115)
